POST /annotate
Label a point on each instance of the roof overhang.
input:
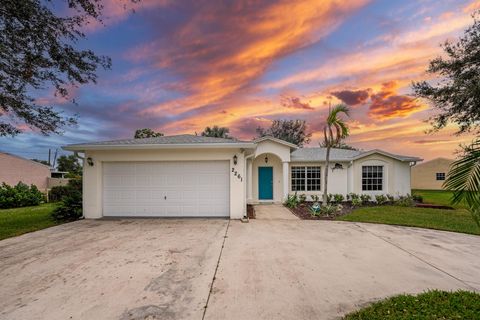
(387, 154)
(87, 147)
(280, 141)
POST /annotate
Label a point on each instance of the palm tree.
(463, 179)
(334, 131)
(216, 132)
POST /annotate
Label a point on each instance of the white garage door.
(166, 189)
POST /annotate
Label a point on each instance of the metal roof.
(319, 154)
(186, 140)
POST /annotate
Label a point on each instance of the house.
(15, 169)
(430, 175)
(187, 175)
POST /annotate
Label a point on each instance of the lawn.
(430, 305)
(17, 221)
(458, 220)
(440, 197)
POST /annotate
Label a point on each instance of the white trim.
(280, 141)
(386, 154)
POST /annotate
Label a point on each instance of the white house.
(195, 176)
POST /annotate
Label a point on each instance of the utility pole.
(49, 163)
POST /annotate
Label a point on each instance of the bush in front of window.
(315, 197)
(302, 198)
(352, 196)
(292, 201)
(357, 202)
(381, 199)
(366, 198)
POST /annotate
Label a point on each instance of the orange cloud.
(387, 104)
(222, 49)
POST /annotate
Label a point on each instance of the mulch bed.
(303, 212)
(433, 206)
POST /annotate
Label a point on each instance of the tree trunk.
(327, 164)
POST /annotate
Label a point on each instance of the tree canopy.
(293, 131)
(37, 52)
(216, 132)
(455, 93)
(69, 164)
(146, 133)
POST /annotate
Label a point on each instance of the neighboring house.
(15, 169)
(430, 175)
(186, 175)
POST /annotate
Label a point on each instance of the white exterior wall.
(92, 176)
(396, 175)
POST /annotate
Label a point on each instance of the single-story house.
(195, 176)
(15, 169)
(431, 175)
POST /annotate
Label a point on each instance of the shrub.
(405, 201)
(381, 199)
(70, 208)
(58, 192)
(338, 198)
(315, 198)
(315, 209)
(302, 198)
(351, 196)
(365, 198)
(20, 195)
(356, 202)
(417, 198)
(390, 198)
(328, 209)
(292, 201)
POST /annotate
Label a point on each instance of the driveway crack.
(216, 269)
(417, 257)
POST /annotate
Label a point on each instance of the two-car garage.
(166, 189)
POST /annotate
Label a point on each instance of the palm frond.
(464, 177)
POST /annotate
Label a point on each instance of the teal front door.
(265, 183)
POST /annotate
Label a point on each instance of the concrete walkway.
(273, 212)
(137, 269)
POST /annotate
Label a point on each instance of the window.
(372, 178)
(440, 176)
(306, 178)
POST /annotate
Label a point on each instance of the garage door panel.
(191, 189)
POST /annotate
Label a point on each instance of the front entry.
(265, 183)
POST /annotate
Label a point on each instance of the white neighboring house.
(195, 176)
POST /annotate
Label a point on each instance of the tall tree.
(37, 51)
(463, 179)
(69, 164)
(334, 131)
(293, 131)
(146, 133)
(216, 132)
(455, 93)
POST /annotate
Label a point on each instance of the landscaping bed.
(303, 211)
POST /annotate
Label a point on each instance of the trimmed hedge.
(20, 195)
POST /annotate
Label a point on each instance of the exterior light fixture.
(90, 161)
(235, 159)
(337, 166)
(266, 159)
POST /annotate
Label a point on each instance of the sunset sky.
(179, 66)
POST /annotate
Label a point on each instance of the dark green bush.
(417, 198)
(57, 193)
(20, 195)
(405, 201)
(292, 201)
(70, 208)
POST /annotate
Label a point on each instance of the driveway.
(270, 269)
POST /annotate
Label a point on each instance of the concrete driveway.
(270, 269)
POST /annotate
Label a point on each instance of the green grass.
(431, 305)
(458, 220)
(450, 220)
(440, 197)
(17, 221)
